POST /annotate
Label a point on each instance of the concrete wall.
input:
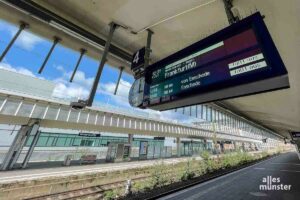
(25, 84)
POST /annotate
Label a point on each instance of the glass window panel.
(73, 116)
(115, 118)
(83, 117)
(104, 141)
(28, 143)
(60, 142)
(97, 142)
(10, 107)
(42, 141)
(63, 114)
(92, 118)
(52, 112)
(204, 112)
(50, 141)
(25, 110)
(68, 142)
(108, 118)
(213, 115)
(76, 142)
(39, 111)
(208, 113)
(127, 122)
(101, 118)
(87, 142)
(54, 141)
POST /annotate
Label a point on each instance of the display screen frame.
(265, 43)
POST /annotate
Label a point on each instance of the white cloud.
(75, 90)
(79, 78)
(27, 40)
(123, 89)
(67, 91)
(121, 99)
(60, 68)
(78, 89)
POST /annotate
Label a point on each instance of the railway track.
(93, 192)
(97, 192)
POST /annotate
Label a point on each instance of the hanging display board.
(237, 61)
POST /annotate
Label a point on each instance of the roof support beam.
(90, 100)
(118, 81)
(228, 6)
(22, 27)
(82, 52)
(55, 41)
(46, 15)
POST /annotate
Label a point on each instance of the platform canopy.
(177, 24)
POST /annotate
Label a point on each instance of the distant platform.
(63, 171)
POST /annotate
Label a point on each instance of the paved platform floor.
(37, 173)
(245, 184)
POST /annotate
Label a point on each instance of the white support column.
(36, 134)
(96, 119)
(19, 106)
(111, 120)
(16, 147)
(58, 112)
(69, 113)
(46, 110)
(104, 117)
(78, 116)
(88, 117)
(118, 120)
(32, 110)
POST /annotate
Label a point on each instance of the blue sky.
(29, 51)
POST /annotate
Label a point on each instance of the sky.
(29, 51)
(27, 55)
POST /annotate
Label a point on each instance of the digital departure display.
(239, 54)
(227, 65)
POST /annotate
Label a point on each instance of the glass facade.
(72, 140)
(213, 118)
(156, 148)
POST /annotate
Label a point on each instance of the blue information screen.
(239, 54)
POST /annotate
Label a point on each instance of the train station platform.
(37, 182)
(64, 171)
(275, 178)
(39, 170)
